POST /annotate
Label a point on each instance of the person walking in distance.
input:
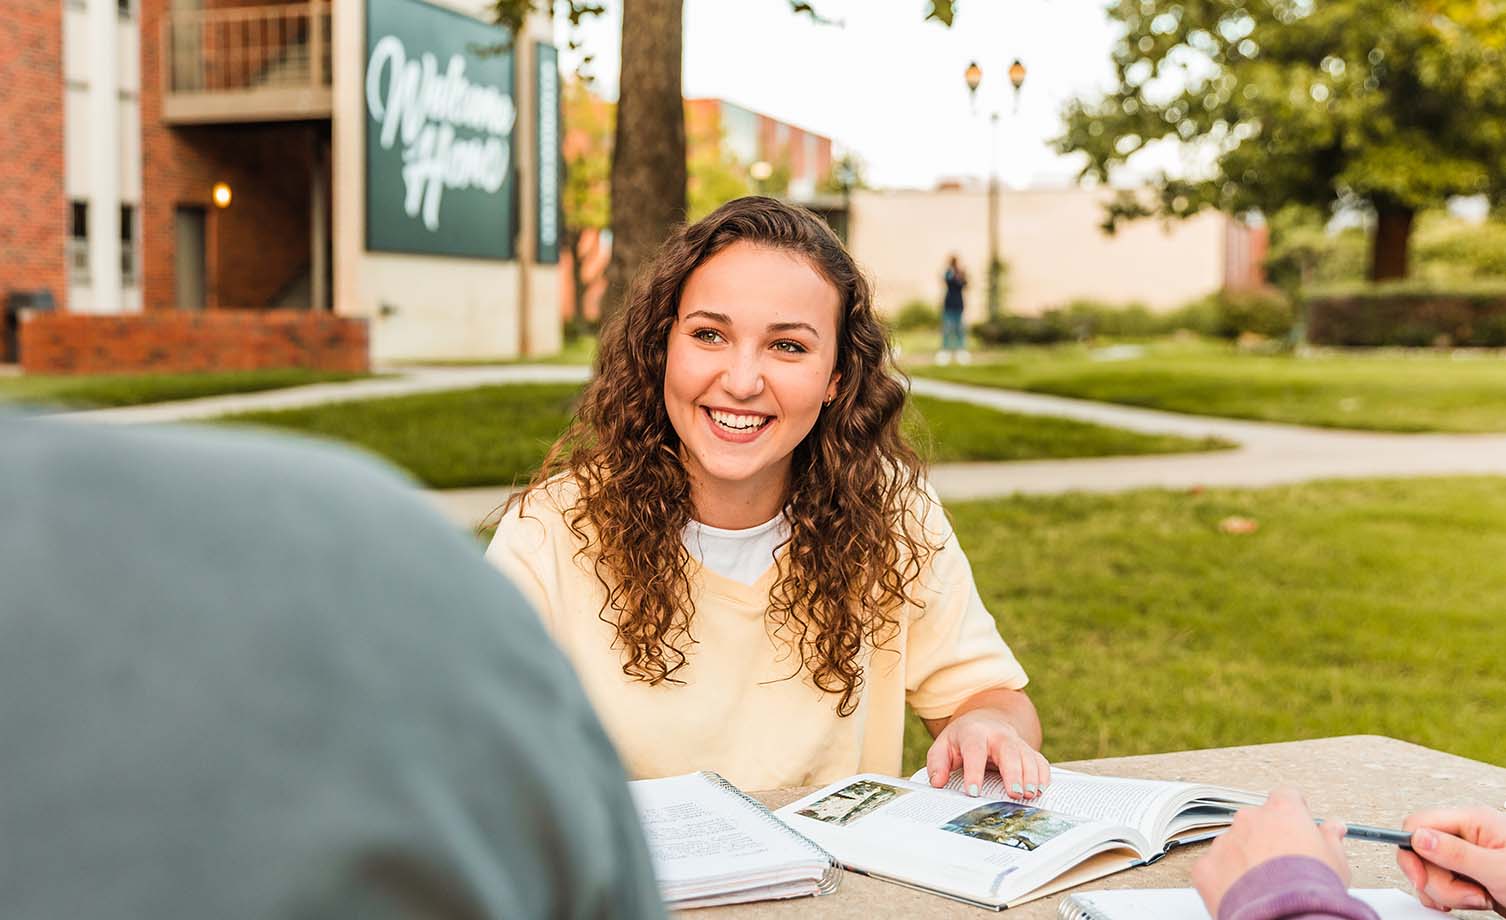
(952, 341)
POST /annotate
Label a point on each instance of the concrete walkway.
(1268, 454)
(403, 381)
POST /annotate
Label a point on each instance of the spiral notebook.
(1185, 904)
(712, 844)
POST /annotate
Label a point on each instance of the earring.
(827, 400)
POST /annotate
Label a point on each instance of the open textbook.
(994, 852)
(711, 844)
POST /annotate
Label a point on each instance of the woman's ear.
(831, 387)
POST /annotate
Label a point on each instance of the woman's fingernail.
(1478, 902)
(972, 789)
(1424, 839)
(1030, 788)
(1017, 789)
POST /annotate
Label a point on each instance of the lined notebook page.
(1184, 904)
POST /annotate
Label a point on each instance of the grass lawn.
(948, 432)
(89, 392)
(499, 434)
(492, 435)
(1385, 391)
(1357, 607)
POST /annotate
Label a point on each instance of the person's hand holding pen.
(1281, 827)
(1458, 858)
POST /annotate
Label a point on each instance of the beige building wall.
(1051, 241)
(435, 307)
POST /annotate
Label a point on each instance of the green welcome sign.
(440, 112)
(547, 107)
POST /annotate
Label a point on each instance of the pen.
(1401, 839)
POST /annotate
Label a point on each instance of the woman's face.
(752, 357)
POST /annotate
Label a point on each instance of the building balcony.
(247, 64)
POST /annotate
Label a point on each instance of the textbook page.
(981, 850)
(697, 832)
(1140, 803)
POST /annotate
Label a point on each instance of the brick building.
(799, 161)
(357, 160)
(802, 156)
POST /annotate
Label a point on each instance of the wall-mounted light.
(221, 194)
(761, 170)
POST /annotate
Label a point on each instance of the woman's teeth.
(737, 422)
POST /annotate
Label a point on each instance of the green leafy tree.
(648, 176)
(1393, 105)
(1446, 251)
(715, 176)
(847, 175)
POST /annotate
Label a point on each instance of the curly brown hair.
(855, 497)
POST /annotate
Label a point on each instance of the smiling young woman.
(737, 548)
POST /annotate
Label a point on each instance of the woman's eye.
(794, 348)
(709, 336)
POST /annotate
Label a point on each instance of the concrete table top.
(1365, 779)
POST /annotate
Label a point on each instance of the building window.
(78, 242)
(127, 245)
(124, 6)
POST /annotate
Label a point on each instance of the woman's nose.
(743, 376)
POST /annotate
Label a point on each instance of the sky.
(887, 85)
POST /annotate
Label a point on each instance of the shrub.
(1084, 320)
(1453, 250)
(1445, 250)
(1091, 318)
(916, 314)
(1047, 329)
(575, 331)
(1227, 314)
(1268, 313)
(1200, 316)
(1409, 314)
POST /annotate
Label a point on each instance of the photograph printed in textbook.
(852, 802)
(1018, 826)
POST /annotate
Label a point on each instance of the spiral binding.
(1075, 908)
(830, 878)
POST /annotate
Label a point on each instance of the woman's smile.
(737, 427)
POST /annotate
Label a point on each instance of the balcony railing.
(249, 63)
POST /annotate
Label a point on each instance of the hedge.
(1225, 314)
(1407, 314)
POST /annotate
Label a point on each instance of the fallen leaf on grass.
(1234, 524)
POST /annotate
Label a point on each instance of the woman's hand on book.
(977, 737)
(1459, 858)
(1281, 827)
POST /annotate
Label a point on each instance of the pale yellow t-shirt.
(747, 709)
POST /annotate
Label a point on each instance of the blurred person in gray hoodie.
(243, 677)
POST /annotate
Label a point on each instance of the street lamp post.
(974, 78)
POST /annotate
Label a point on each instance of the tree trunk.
(573, 239)
(648, 154)
(1393, 236)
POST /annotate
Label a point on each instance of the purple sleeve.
(1291, 888)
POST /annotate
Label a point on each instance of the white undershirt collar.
(740, 555)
